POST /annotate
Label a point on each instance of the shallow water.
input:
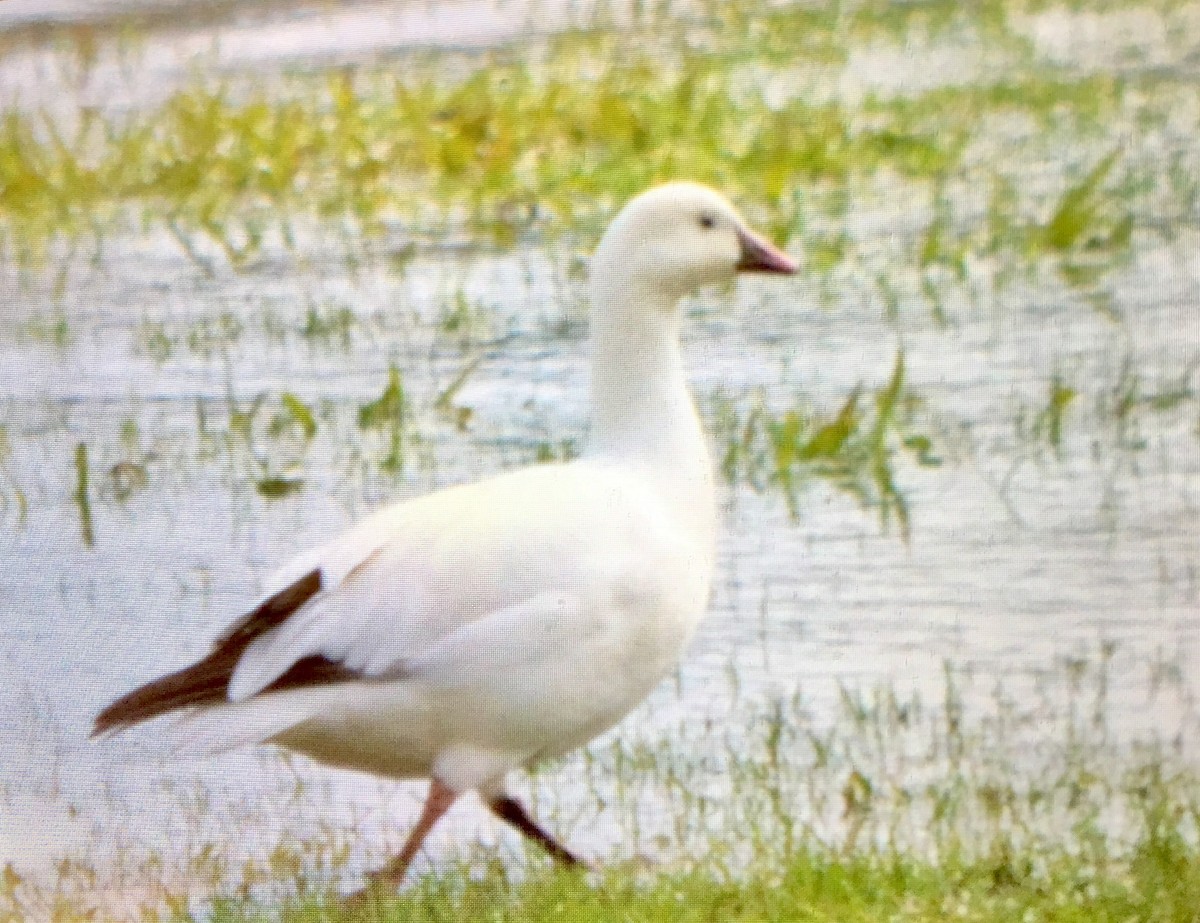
(1019, 556)
(240, 40)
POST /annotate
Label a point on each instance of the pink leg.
(437, 803)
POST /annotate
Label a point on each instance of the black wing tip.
(132, 708)
(106, 727)
(206, 682)
(110, 720)
(272, 612)
(202, 683)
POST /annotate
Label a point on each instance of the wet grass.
(542, 140)
(263, 442)
(885, 804)
(83, 496)
(14, 505)
(1120, 415)
(854, 449)
(1020, 170)
(1044, 428)
(869, 444)
(389, 414)
(326, 324)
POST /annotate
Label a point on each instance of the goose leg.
(510, 810)
(437, 803)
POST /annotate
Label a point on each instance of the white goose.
(477, 629)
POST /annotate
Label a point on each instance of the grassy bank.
(1159, 882)
(881, 806)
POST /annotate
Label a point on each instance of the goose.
(478, 629)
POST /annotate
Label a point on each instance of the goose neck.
(641, 402)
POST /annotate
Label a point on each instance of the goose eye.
(708, 222)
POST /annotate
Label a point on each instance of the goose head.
(678, 237)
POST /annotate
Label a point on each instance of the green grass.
(968, 806)
(14, 504)
(887, 809)
(854, 449)
(541, 140)
(1045, 426)
(545, 139)
(1161, 882)
(389, 413)
(82, 495)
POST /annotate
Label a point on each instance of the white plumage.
(471, 631)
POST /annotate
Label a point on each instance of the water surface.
(1021, 554)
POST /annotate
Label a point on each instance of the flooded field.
(257, 287)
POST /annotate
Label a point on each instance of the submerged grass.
(886, 807)
(548, 137)
(83, 496)
(516, 143)
(389, 413)
(1022, 166)
(12, 497)
(853, 449)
